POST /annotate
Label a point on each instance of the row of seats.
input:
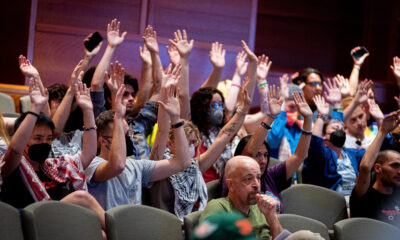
(58, 220)
(7, 105)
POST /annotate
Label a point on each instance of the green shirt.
(255, 217)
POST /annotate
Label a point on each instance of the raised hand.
(396, 67)
(302, 105)
(27, 68)
(170, 76)
(284, 80)
(113, 37)
(241, 64)
(182, 44)
(144, 54)
(390, 122)
(244, 99)
(397, 101)
(95, 50)
(361, 94)
(119, 107)
(82, 94)
(116, 78)
(250, 55)
(263, 67)
(75, 74)
(359, 61)
(322, 106)
(37, 98)
(332, 93)
(171, 102)
(173, 54)
(217, 55)
(374, 110)
(150, 39)
(274, 101)
(343, 84)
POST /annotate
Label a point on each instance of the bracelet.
(34, 114)
(306, 132)
(90, 128)
(240, 111)
(262, 84)
(176, 125)
(271, 116)
(236, 85)
(266, 126)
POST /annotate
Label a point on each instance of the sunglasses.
(313, 84)
(217, 105)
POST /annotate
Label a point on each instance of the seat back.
(190, 221)
(365, 229)
(10, 223)
(6, 103)
(59, 220)
(314, 202)
(25, 103)
(214, 189)
(142, 222)
(294, 223)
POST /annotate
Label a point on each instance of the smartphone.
(359, 53)
(93, 41)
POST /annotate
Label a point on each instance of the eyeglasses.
(217, 105)
(313, 84)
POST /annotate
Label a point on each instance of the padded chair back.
(294, 223)
(314, 202)
(10, 223)
(6, 103)
(142, 222)
(190, 221)
(365, 229)
(49, 220)
(25, 103)
(214, 189)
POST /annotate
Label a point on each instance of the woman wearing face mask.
(179, 193)
(329, 164)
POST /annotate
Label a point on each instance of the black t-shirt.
(376, 205)
(16, 194)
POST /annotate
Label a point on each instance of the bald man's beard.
(251, 198)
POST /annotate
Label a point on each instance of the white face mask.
(192, 150)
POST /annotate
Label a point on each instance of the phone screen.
(359, 53)
(93, 41)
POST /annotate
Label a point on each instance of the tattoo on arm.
(230, 130)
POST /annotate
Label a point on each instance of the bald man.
(381, 200)
(243, 180)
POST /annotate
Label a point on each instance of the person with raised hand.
(115, 179)
(217, 59)
(143, 94)
(114, 80)
(332, 93)
(396, 69)
(150, 40)
(184, 47)
(355, 73)
(379, 199)
(343, 84)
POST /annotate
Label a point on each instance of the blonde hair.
(3, 130)
(189, 128)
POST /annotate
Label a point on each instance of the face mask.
(215, 117)
(338, 138)
(39, 152)
(291, 118)
(129, 146)
(192, 150)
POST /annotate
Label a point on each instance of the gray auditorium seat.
(294, 223)
(10, 223)
(190, 221)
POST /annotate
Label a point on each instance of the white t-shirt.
(351, 142)
(126, 188)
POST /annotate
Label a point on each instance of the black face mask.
(338, 138)
(129, 146)
(39, 152)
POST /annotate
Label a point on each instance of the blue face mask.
(215, 116)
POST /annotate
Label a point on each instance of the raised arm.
(396, 70)
(294, 161)
(169, 81)
(115, 163)
(343, 84)
(184, 47)
(88, 56)
(360, 97)
(61, 115)
(230, 129)
(355, 73)
(252, 70)
(114, 40)
(217, 58)
(114, 80)
(30, 71)
(82, 96)
(275, 104)
(389, 123)
(323, 111)
(241, 67)
(13, 155)
(332, 93)
(375, 111)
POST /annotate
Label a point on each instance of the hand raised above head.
(37, 98)
(113, 37)
(217, 55)
(302, 105)
(150, 39)
(181, 43)
(274, 101)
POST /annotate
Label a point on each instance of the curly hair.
(200, 108)
(128, 80)
(57, 91)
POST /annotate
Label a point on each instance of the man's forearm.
(98, 76)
